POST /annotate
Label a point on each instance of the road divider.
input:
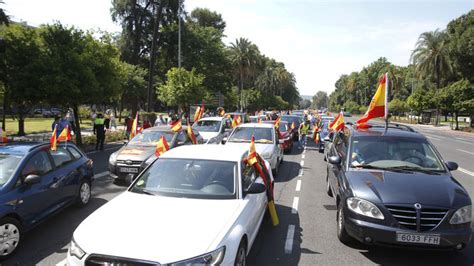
(298, 185)
(289, 239)
(302, 163)
(466, 151)
(466, 171)
(294, 208)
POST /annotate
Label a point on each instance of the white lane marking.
(460, 139)
(301, 172)
(466, 151)
(302, 163)
(294, 208)
(62, 263)
(302, 156)
(466, 171)
(298, 185)
(433, 138)
(289, 239)
(99, 175)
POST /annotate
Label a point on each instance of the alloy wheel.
(85, 193)
(9, 238)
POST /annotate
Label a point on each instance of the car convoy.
(391, 187)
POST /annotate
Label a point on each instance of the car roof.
(22, 148)
(258, 125)
(394, 130)
(208, 152)
(212, 118)
(164, 128)
(273, 122)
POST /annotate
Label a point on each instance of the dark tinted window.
(61, 156)
(38, 164)
(75, 152)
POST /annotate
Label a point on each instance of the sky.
(316, 40)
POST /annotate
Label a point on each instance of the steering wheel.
(418, 159)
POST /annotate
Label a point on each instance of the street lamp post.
(179, 34)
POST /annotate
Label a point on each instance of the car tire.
(10, 228)
(342, 234)
(241, 256)
(84, 194)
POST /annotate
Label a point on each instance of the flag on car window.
(53, 140)
(252, 157)
(199, 112)
(191, 135)
(277, 122)
(293, 125)
(236, 121)
(133, 132)
(338, 122)
(161, 146)
(176, 126)
(378, 105)
(65, 135)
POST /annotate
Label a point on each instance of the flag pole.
(387, 87)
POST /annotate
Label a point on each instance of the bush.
(352, 107)
(110, 136)
(363, 109)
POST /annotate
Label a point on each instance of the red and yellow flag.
(133, 132)
(65, 135)
(176, 126)
(338, 122)
(161, 146)
(277, 122)
(191, 135)
(3, 136)
(293, 125)
(252, 157)
(378, 105)
(222, 112)
(199, 112)
(53, 140)
(236, 121)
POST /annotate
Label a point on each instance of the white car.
(198, 204)
(267, 142)
(213, 129)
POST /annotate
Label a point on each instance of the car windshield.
(8, 164)
(189, 178)
(291, 119)
(394, 153)
(207, 126)
(151, 137)
(244, 134)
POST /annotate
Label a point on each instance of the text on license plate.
(418, 238)
(128, 170)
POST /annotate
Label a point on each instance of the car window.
(8, 165)
(182, 137)
(248, 176)
(340, 145)
(151, 137)
(75, 152)
(38, 164)
(207, 125)
(244, 134)
(61, 156)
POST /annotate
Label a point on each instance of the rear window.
(8, 165)
(75, 152)
(61, 156)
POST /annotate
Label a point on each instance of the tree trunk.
(77, 125)
(437, 90)
(121, 109)
(239, 104)
(4, 117)
(21, 125)
(457, 123)
(156, 25)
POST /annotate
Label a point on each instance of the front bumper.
(387, 236)
(116, 174)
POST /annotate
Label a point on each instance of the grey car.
(126, 163)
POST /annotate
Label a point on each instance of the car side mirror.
(334, 159)
(452, 166)
(327, 139)
(32, 179)
(256, 188)
(224, 140)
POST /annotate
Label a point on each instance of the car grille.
(96, 260)
(421, 220)
(126, 162)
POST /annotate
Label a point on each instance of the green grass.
(37, 125)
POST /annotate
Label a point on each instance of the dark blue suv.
(35, 183)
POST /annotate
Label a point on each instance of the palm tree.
(431, 57)
(244, 56)
(3, 17)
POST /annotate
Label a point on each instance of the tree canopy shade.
(3, 16)
(461, 44)
(320, 100)
(204, 17)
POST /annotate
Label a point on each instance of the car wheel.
(328, 188)
(84, 194)
(241, 257)
(341, 226)
(10, 230)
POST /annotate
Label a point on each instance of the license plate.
(128, 170)
(418, 238)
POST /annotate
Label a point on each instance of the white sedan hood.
(155, 228)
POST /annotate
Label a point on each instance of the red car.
(285, 133)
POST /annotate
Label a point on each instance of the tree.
(4, 19)
(181, 88)
(461, 34)
(431, 57)
(304, 104)
(420, 100)
(207, 18)
(397, 107)
(459, 98)
(320, 100)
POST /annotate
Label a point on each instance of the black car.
(36, 183)
(393, 188)
(293, 119)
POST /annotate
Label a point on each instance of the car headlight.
(364, 208)
(266, 155)
(461, 216)
(212, 258)
(113, 158)
(75, 250)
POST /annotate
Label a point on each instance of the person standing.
(99, 131)
(128, 125)
(113, 124)
(160, 121)
(303, 131)
(146, 123)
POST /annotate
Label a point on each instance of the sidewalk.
(46, 135)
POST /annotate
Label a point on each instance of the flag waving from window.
(161, 146)
(378, 105)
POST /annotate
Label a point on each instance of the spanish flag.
(161, 146)
(236, 121)
(53, 140)
(3, 136)
(293, 125)
(191, 135)
(252, 157)
(176, 126)
(199, 112)
(65, 135)
(338, 122)
(378, 106)
(277, 122)
(133, 132)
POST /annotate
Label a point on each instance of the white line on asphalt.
(460, 139)
(301, 172)
(289, 239)
(294, 208)
(62, 263)
(302, 156)
(466, 171)
(466, 151)
(302, 163)
(433, 138)
(99, 175)
(298, 185)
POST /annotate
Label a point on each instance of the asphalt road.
(306, 234)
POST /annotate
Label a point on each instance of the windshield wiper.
(416, 169)
(368, 166)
